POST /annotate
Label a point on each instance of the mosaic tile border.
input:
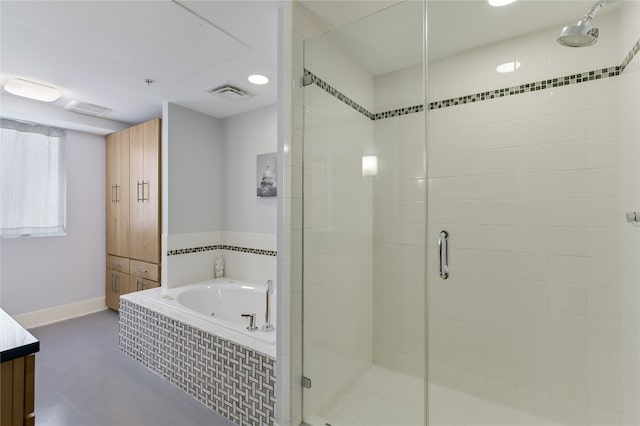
(311, 78)
(634, 51)
(222, 247)
(529, 87)
(398, 112)
(235, 381)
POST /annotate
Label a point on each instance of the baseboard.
(60, 313)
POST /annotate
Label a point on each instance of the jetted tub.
(216, 306)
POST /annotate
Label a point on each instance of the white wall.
(212, 194)
(528, 188)
(194, 171)
(291, 33)
(246, 136)
(41, 273)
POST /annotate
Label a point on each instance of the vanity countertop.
(15, 341)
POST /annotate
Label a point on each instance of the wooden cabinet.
(117, 284)
(118, 263)
(144, 202)
(133, 209)
(18, 391)
(17, 373)
(138, 284)
(118, 193)
(145, 270)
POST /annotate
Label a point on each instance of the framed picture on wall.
(267, 166)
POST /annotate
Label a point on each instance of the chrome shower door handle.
(443, 244)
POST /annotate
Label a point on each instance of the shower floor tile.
(379, 397)
(449, 407)
(382, 397)
(82, 379)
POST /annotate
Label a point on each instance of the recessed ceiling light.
(498, 3)
(31, 90)
(258, 79)
(508, 67)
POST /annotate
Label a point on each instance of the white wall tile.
(603, 153)
(568, 298)
(556, 128)
(563, 61)
(602, 123)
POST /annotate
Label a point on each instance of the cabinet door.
(138, 284)
(117, 284)
(145, 191)
(117, 193)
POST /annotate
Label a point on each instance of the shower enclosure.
(526, 155)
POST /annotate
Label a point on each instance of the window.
(32, 180)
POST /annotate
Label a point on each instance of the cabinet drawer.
(138, 284)
(150, 271)
(116, 263)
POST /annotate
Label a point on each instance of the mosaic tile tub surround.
(235, 381)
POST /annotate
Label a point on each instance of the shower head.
(582, 34)
(579, 35)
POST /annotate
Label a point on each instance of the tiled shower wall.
(540, 312)
(399, 224)
(338, 220)
(629, 196)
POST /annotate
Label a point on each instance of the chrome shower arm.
(593, 11)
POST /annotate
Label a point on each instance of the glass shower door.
(529, 174)
(364, 222)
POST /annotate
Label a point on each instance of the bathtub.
(216, 306)
(195, 338)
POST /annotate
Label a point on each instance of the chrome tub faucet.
(269, 290)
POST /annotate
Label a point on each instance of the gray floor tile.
(82, 379)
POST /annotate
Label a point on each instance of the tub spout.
(269, 289)
(252, 321)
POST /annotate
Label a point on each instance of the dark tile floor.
(82, 379)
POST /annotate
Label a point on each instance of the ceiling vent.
(230, 93)
(87, 108)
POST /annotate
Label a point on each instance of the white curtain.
(32, 180)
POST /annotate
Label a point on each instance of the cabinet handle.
(117, 186)
(139, 286)
(113, 285)
(142, 271)
(112, 197)
(138, 191)
(145, 198)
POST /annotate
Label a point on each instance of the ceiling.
(101, 52)
(459, 25)
(384, 36)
